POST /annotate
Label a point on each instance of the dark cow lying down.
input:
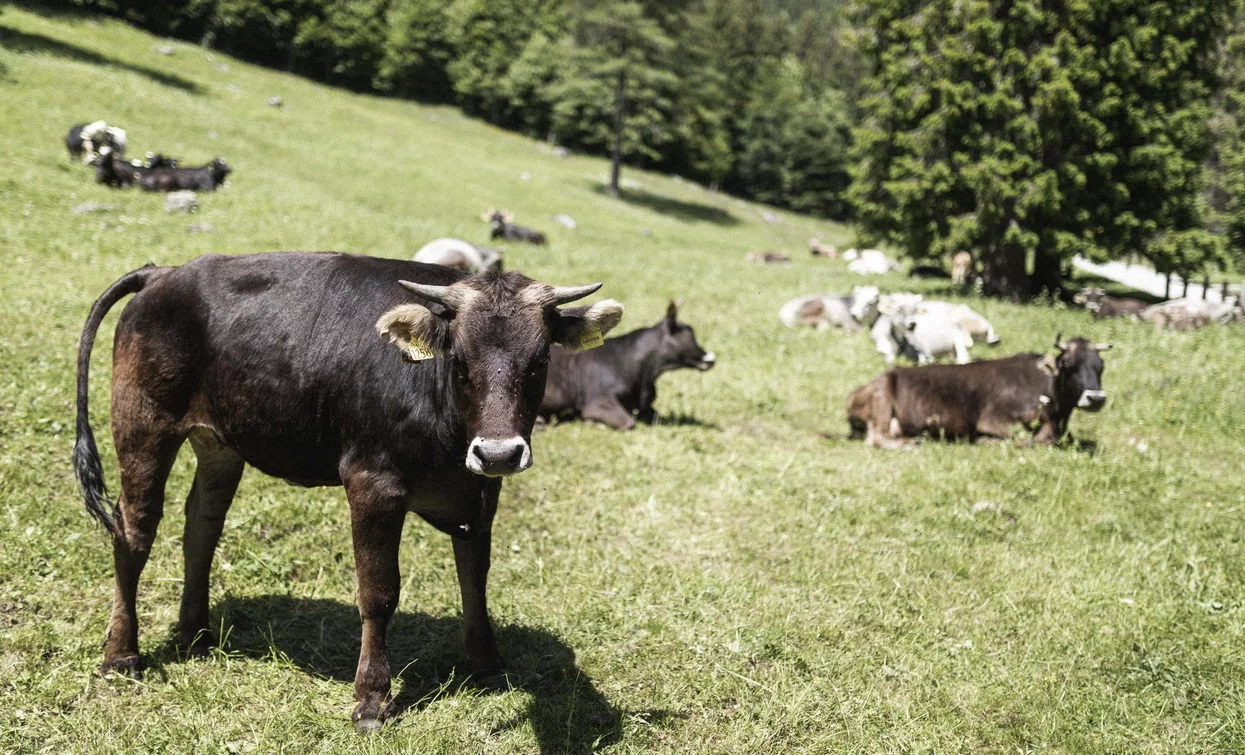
(988, 398)
(203, 178)
(274, 360)
(617, 383)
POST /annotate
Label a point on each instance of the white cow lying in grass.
(1190, 314)
(925, 330)
(460, 255)
(869, 262)
(823, 311)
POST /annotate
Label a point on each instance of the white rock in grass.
(565, 220)
(276, 101)
(181, 201)
(164, 49)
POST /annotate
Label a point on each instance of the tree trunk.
(1047, 273)
(1003, 271)
(1167, 287)
(620, 104)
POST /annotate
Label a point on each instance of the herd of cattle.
(417, 386)
(103, 146)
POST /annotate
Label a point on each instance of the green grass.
(736, 584)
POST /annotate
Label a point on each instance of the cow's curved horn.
(1059, 342)
(1103, 346)
(439, 294)
(568, 294)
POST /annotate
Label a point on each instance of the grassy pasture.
(726, 581)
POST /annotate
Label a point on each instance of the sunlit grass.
(733, 584)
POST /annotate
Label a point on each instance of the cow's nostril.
(478, 450)
(516, 456)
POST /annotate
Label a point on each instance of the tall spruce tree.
(616, 83)
(1022, 130)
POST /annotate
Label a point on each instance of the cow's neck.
(643, 350)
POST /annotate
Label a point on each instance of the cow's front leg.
(648, 396)
(376, 519)
(471, 557)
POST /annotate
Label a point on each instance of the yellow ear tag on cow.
(591, 338)
(417, 352)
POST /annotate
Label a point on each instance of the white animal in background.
(819, 311)
(865, 304)
(1190, 314)
(961, 266)
(924, 330)
(925, 336)
(98, 138)
(460, 255)
(870, 262)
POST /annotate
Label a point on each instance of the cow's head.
(864, 306)
(1078, 374)
(220, 169)
(678, 344)
(495, 331)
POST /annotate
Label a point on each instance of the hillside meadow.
(729, 580)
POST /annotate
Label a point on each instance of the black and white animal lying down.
(160, 174)
(616, 383)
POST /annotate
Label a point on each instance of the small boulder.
(164, 49)
(181, 201)
(561, 152)
(565, 220)
(87, 208)
(276, 101)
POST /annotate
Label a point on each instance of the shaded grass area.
(726, 580)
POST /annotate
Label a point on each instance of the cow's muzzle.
(498, 458)
(707, 361)
(1092, 401)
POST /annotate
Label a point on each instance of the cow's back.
(957, 399)
(278, 355)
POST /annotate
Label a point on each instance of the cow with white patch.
(459, 255)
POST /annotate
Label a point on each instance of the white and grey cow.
(460, 255)
(924, 330)
(823, 311)
(1190, 314)
(99, 139)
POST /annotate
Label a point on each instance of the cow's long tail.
(86, 463)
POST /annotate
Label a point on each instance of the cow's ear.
(583, 328)
(1048, 365)
(416, 332)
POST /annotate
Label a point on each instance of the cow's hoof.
(365, 726)
(496, 680)
(127, 666)
(196, 645)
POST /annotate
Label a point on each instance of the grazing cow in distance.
(501, 227)
(617, 383)
(460, 255)
(89, 141)
(779, 258)
(413, 386)
(1102, 306)
(982, 399)
(1191, 314)
(961, 266)
(906, 323)
(204, 178)
(929, 271)
(822, 311)
(112, 170)
(819, 249)
(869, 262)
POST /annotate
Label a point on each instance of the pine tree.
(1018, 129)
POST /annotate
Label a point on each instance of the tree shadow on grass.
(567, 713)
(25, 42)
(692, 212)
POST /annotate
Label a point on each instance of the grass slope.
(727, 583)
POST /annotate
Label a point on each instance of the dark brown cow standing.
(1102, 306)
(274, 360)
(988, 398)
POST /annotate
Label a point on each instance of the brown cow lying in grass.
(969, 401)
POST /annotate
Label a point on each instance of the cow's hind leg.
(145, 462)
(216, 480)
